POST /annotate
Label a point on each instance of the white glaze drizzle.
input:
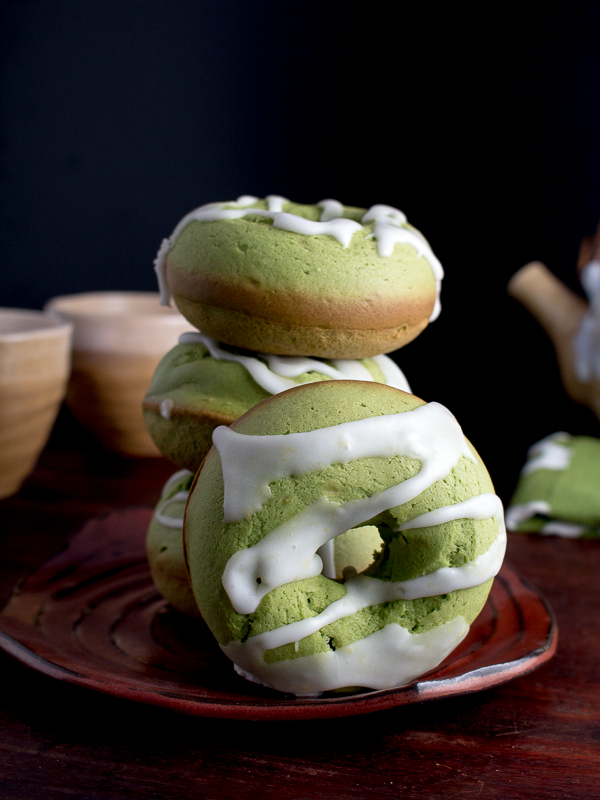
(568, 530)
(382, 213)
(276, 375)
(167, 520)
(361, 590)
(166, 407)
(389, 229)
(392, 373)
(390, 657)
(552, 452)
(517, 514)
(369, 664)
(290, 552)
(180, 497)
(275, 202)
(587, 340)
(332, 209)
(429, 434)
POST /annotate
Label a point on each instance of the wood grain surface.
(535, 737)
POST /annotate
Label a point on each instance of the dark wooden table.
(537, 737)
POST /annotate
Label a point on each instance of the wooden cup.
(35, 354)
(118, 340)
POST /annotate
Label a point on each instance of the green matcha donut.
(199, 385)
(320, 280)
(557, 493)
(305, 466)
(164, 545)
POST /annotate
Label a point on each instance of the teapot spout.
(560, 312)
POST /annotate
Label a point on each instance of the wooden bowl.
(118, 340)
(34, 367)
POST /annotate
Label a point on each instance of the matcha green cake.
(322, 280)
(305, 466)
(557, 493)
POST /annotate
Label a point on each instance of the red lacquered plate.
(91, 616)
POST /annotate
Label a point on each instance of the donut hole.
(356, 550)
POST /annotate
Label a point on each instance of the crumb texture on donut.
(288, 625)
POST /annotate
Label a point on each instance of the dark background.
(482, 124)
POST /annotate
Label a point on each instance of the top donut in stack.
(321, 280)
(283, 293)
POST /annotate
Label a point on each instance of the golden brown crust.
(270, 336)
(214, 417)
(300, 310)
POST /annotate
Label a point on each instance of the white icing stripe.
(159, 515)
(385, 659)
(327, 555)
(364, 592)
(339, 369)
(553, 453)
(389, 214)
(332, 209)
(269, 562)
(175, 478)
(275, 202)
(274, 377)
(437, 306)
(388, 230)
(480, 506)
(516, 515)
(166, 519)
(341, 229)
(429, 434)
(166, 408)
(392, 373)
(259, 371)
(389, 235)
(569, 530)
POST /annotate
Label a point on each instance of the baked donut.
(164, 545)
(199, 385)
(309, 464)
(322, 280)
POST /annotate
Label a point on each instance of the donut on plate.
(301, 468)
(164, 545)
(322, 280)
(200, 385)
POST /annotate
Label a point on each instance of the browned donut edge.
(368, 312)
(269, 336)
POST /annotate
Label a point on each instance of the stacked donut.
(323, 463)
